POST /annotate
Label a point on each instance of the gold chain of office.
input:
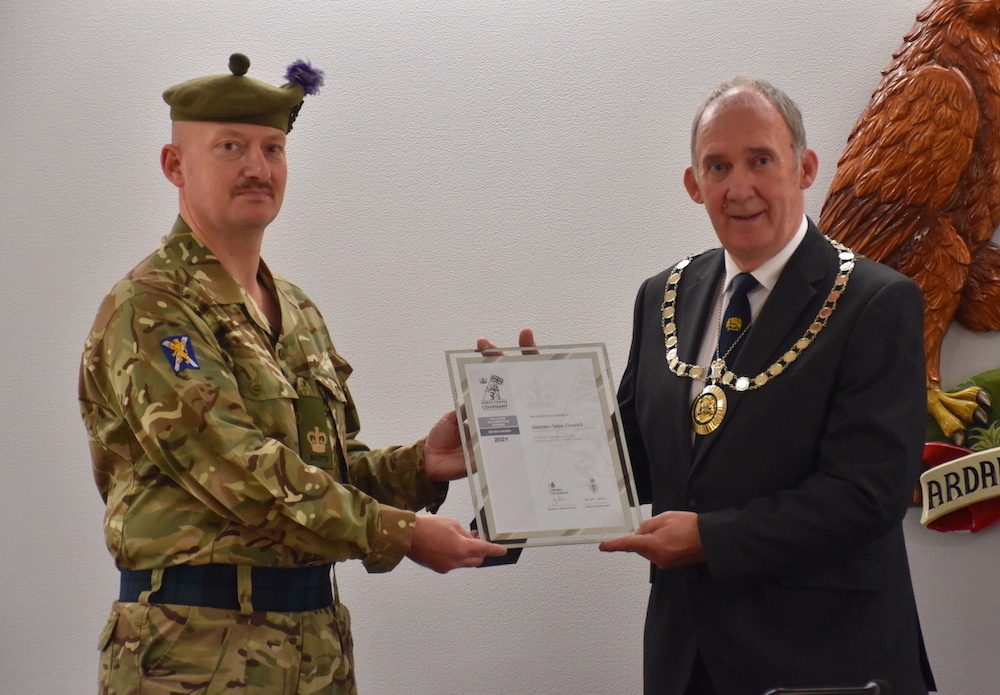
(718, 370)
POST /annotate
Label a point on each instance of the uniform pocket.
(164, 626)
(108, 632)
(332, 389)
(192, 649)
(343, 618)
(268, 398)
(263, 385)
(327, 641)
(118, 643)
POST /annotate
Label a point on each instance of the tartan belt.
(274, 589)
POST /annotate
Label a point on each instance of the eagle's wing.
(903, 161)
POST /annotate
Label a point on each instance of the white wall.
(470, 167)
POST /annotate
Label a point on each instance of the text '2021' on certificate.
(546, 457)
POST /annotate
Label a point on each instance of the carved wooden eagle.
(918, 185)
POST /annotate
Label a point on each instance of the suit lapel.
(807, 273)
(697, 296)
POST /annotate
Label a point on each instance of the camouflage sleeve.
(194, 425)
(395, 475)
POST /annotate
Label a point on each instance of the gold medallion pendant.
(708, 409)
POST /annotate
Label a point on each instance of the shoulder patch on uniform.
(180, 353)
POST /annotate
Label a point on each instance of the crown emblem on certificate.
(709, 408)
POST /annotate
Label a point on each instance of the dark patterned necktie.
(736, 320)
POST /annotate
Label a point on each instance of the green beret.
(236, 98)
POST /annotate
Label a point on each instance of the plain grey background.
(470, 167)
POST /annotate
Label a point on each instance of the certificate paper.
(546, 459)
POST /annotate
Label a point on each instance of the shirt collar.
(208, 277)
(768, 272)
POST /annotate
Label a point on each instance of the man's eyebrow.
(227, 132)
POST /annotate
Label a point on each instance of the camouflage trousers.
(163, 649)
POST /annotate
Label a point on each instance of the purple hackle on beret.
(302, 73)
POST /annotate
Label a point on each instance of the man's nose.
(255, 164)
(740, 185)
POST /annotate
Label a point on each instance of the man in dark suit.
(780, 465)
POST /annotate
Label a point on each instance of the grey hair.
(778, 99)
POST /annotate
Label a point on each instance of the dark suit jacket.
(800, 492)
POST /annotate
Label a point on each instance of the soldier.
(223, 435)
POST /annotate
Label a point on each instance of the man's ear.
(808, 169)
(170, 164)
(691, 184)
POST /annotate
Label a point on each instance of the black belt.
(277, 589)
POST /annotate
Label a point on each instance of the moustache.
(251, 186)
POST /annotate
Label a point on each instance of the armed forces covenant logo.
(492, 398)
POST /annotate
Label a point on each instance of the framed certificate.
(546, 457)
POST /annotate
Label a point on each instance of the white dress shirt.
(766, 275)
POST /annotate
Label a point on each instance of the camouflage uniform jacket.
(195, 420)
